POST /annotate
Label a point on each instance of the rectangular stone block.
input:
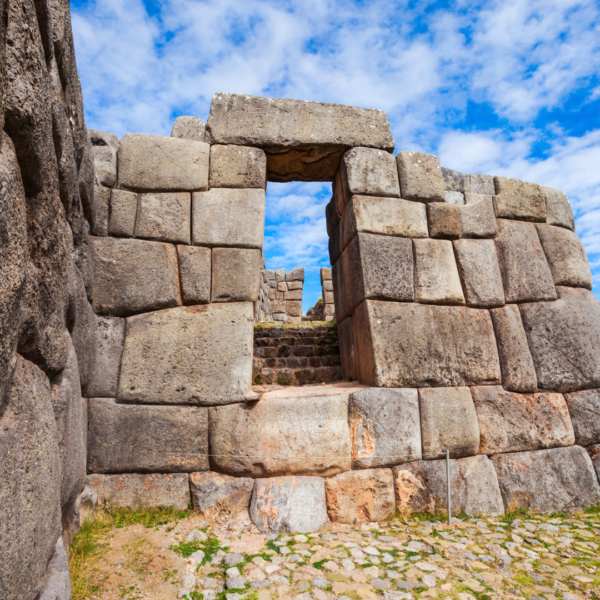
(213, 493)
(195, 268)
(304, 141)
(417, 345)
(125, 438)
(189, 128)
(584, 408)
(235, 274)
(302, 435)
(555, 480)
(421, 177)
(347, 349)
(328, 297)
(282, 286)
(448, 422)
(188, 355)
(456, 198)
(293, 308)
(444, 220)
(332, 216)
(123, 212)
(100, 210)
(296, 274)
(237, 167)
(109, 335)
(229, 217)
(328, 285)
(477, 217)
(479, 272)
(164, 217)
(293, 295)
(525, 271)
(436, 275)
(566, 256)
(153, 163)
(510, 422)
(105, 165)
(564, 337)
(558, 209)
(456, 181)
(516, 199)
(385, 427)
(132, 276)
(294, 285)
(482, 184)
(516, 363)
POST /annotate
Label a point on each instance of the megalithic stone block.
(189, 128)
(584, 408)
(213, 493)
(516, 199)
(558, 209)
(347, 349)
(195, 272)
(165, 217)
(235, 274)
(444, 220)
(456, 181)
(109, 336)
(123, 212)
(482, 184)
(477, 217)
(421, 177)
(237, 167)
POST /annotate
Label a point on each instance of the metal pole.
(448, 486)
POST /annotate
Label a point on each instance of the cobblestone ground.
(476, 558)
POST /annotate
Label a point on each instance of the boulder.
(525, 271)
(235, 274)
(421, 486)
(456, 181)
(289, 505)
(153, 163)
(584, 408)
(189, 128)
(385, 427)
(347, 349)
(477, 217)
(134, 276)
(482, 184)
(304, 141)
(421, 177)
(416, 345)
(516, 199)
(164, 217)
(188, 355)
(109, 334)
(195, 268)
(123, 212)
(141, 491)
(564, 337)
(448, 422)
(444, 220)
(229, 217)
(126, 438)
(556, 480)
(213, 493)
(57, 582)
(510, 422)
(516, 363)
(479, 272)
(436, 275)
(558, 209)
(237, 167)
(360, 496)
(305, 435)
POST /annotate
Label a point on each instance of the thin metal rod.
(449, 494)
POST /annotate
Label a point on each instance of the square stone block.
(132, 276)
(477, 217)
(213, 493)
(235, 274)
(558, 209)
(482, 184)
(417, 345)
(421, 177)
(229, 217)
(516, 199)
(123, 212)
(188, 355)
(282, 286)
(456, 198)
(293, 308)
(296, 274)
(293, 295)
(189, 128)
(144, 439)
(444, 220)
(237, 167)
(153, 163)
(195, 268)
(109, 335)
(456, 181)
(584, 408)
(294, 285)
(164, 217)
(328, 297)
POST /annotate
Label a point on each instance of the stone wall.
(285, 294)
(327, 294)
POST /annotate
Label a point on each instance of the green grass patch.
(319, 564)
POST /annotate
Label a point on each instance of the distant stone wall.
(285, 294)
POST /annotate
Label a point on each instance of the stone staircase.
(296, 355)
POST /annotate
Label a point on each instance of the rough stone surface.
(296, 274)
(195, 269)
(141, 491)
(420, 486)
(164, 217)
(444, 220)
(153, 163)
(289, 504)
(293, 308)
(525, 271)
(584, 408)
(282, 436)
(558, 209)
(566, 256)
(420, 177)
(457, 198)
(188, 355)
(100, 210)
(213, 493)
(109, 334)
(105, 165)
(235, 274)
(479, 272)
(477, 217)
(510, 422)
(123, 212)
(448, 422)
(564, 337)
(229, 217)
(482, 184)
(303, 140)
(332, 216)
(57, 583)
(360, 496)
(189, 128)
(144, 439)
(516, 363)
(415, 345)
(594, 453)
(134, 276)
(385, 427)
(556, 480)
(456, 181)
(347, 349)
(516, 199)
(237, 167)
(436, 275)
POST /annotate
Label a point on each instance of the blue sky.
(504, 88)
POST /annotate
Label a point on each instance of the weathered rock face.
(164, 217)
(557, 480)
(558, 209)
(594, 453)
(195, 268)
(584, 408)
(265, 439)
(347, 349)
(421, 487)
(516, 199)
(289, 504)
(303, 140)
(188, 355)
(189, 128)
(360, 496)
(109, 334)
(384, 427)
(145, 439)
(421, 177)
(213, 493)
(237, 167)
(510, 422)
(57, 583)
(235, 274)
